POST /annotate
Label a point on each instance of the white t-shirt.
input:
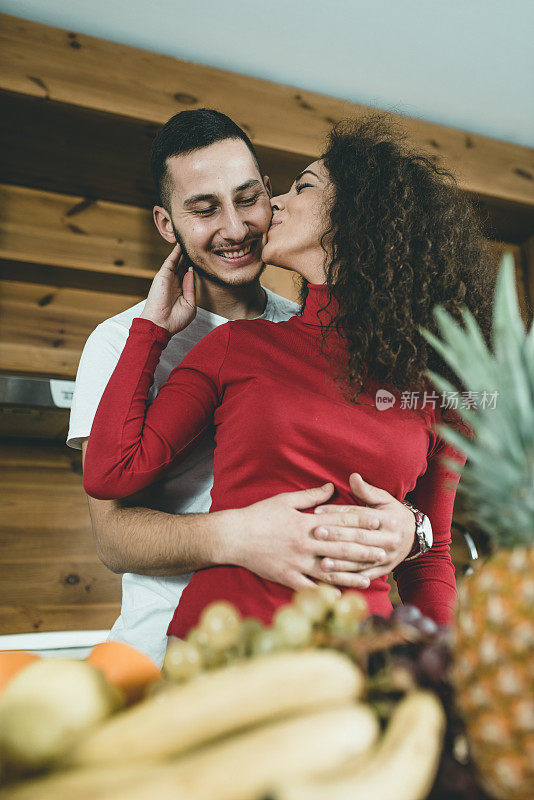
(149, 602)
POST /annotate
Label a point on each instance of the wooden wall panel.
(78, 151)
(62, 230)
(42, 61)
(521, 275)
(63, 148)
(43, 328)
(33, 617)
(50, 575)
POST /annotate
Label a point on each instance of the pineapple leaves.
(498, 479)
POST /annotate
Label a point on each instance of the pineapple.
(493, 672)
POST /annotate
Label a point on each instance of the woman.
(379, 237)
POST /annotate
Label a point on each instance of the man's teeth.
(236, 253)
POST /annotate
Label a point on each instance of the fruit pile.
(326, 702)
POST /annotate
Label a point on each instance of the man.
(214, 207)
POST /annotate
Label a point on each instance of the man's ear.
(163, 223)
(267, 184)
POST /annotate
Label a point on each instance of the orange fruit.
(11, 662)
(124, 667)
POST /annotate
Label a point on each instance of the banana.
(240, 767)
(221, 702)
(82, 784)
(403, 764)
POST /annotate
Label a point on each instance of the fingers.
(360, 555)
(359, 516)
(188, 288)
(371, 495)
(361, 536)
(376, 572)
(348, 580)
(307, 498)
(300, 581)
(171, 262)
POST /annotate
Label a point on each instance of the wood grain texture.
(521, 275)
(527, 252)
(62, 230)
(32, 617)
(96, 155)
(43, 328)
(42, 61)
(74, 150)
(50, 574)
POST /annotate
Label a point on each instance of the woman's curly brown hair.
(402, 239)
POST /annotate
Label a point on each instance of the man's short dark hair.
(187, 131)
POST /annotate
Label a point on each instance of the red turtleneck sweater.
(282, 423)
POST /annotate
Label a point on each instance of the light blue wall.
(464, 63)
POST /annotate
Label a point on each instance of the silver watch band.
(420, 544)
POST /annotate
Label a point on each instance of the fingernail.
(328, 563)
(190, 269)
(318, 511)
(322, 533)
(366, 581)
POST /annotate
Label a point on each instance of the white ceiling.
(464, 63)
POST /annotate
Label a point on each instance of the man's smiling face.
(220, 211)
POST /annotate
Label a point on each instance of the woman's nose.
(277, 202)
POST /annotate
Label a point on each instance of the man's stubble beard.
(208, 276)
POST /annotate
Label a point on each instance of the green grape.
(312, 602)
(330, 593)
(266, 641)
(198, 637)
(183, 660)
(222, 624)
(210, 658)
(249, 628)
(348, 612)
(294, 627)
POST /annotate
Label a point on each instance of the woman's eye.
(302, 186)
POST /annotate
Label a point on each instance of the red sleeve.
(132, 444)
(428, 581)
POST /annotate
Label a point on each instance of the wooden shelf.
(61, 230)
(45, 62)
(43, 329)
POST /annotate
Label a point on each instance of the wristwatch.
(423, 533)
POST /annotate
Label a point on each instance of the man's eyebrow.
(206, 198)
(252, 183)
(311, 172)
(198, 198)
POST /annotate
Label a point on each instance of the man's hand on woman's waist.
(395, 534)
(278, 540)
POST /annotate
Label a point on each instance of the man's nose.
(233, 226)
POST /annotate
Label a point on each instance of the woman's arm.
(428, 581)
(130, 445)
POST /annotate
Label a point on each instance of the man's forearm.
(150, 542)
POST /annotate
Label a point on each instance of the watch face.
(427, 531)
